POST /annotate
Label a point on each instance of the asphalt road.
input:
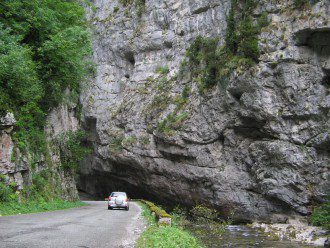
(85, 227)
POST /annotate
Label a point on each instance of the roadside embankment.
(162, 232)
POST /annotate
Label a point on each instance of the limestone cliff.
(258, 148)
(19, 167)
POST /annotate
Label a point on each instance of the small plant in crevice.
(139, 4)
(140, 7)
(144, 140)
(129, 140)
(173, 122)
(115, 9)
(116, 144)
(300, 3)
(162, 70)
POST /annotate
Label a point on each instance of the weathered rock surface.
(259, 149)
(17, 165)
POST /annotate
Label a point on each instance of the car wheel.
(127, 208)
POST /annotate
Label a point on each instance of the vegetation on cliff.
(44, 51)
(212, 65)
(41, 195)
(72, 149)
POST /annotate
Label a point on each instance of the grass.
(321, 216)
(164, 236)
(167, 237)
(14, 208)
(146, 213)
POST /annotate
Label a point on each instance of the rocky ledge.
(295, 231)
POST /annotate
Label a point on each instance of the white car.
(118, 200)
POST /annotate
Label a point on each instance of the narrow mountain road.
(86, 227)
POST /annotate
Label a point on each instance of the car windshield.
(116, 194)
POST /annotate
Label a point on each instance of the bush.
(202, 213)
(5, 192)
(248, 45)
(321, 216)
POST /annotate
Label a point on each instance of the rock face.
(17, 166)
(258, 149)
(7, 163)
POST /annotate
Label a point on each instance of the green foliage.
(5, 192)
(248, 43)
(129, 141)
(62, 60)
(186, 92)
(203, 222)
(115, 9)
(172, 123)
(263, 20)
(36, 205)
(43, 49)
(72, 149)
(300, 3)
(91, 5)
(141, 7)
(139, 4)
(203, 59)
(321, 216)
(147, 214)
(126, 2)
(212, 65)
(160, 213)
(202, 213)
(116, 144)
(162, 70)
(231, 36)
(167, 237)
(145, 140)
(163, 236)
